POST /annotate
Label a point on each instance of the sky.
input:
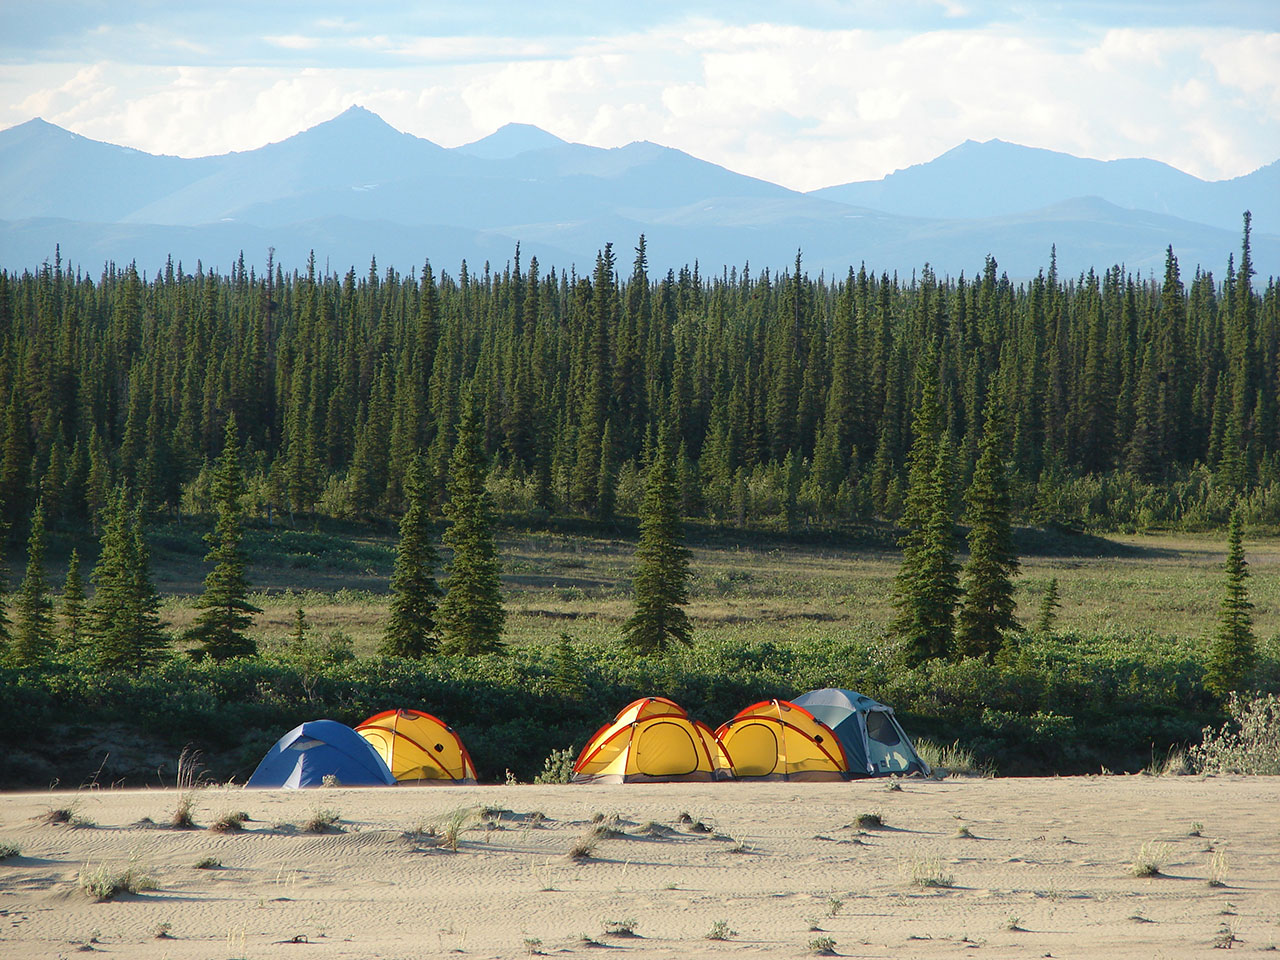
(803, 94)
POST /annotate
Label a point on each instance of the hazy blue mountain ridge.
(354, 187)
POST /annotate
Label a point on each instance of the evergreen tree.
(225, 609)
(471, 614)
(1049, 605)
(662, 562)
(411, 630)
(987, 610)
(73, 606)
(927, 586)
(33, 641)
(123, 627)
(1233, 652)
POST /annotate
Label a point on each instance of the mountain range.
(353, 188)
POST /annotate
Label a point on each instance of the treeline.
(789, 399)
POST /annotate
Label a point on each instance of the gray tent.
(874, 742)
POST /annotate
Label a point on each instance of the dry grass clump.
(822, 946)
(584, 846)
(928, 871)
(951, 759)
(1150, 859)
(231, 822)
(321, 820)
(208, 863)
(1218, 869)
(65, 815)
(188, 778)
(8, 850)
(869, 821)
(103, 883)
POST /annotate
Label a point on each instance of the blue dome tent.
(874, 743)
(311, 751)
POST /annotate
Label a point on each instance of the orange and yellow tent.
(650, 740)
(777, 740)
(418, 747)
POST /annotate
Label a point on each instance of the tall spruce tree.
(33, 639)
(411, 629)
(927, 586)
(225, 609)
(1049, 605)
(1233, 652)
(471, 614)
(73, 605)
(662, 561)
(987, 610)
(123, 629)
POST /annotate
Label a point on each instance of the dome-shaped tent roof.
(650, 740)
(874, 742)
(317, 749)
(777, 740)
(418, 748)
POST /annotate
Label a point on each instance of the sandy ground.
(1045, 872)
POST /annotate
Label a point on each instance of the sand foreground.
(1036, 867)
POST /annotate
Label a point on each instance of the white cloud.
(800, 106)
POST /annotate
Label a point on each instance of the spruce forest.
(777, 402)
(1131, 400)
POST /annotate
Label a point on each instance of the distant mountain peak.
(511, 140)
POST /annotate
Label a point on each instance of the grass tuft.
(928, 871)
(103, 883)
(822, 946)
(869, 821)
(620, 928)
(720, 931)
(1150, 859)
(208, 863)
(8, 850)
(231, 822)
(321, 820)
(1218, 869)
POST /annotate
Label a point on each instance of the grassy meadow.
(756, 586)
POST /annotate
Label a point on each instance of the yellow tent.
(777, 740)
(650, 740)
(418, 747)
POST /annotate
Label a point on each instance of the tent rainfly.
(874, 743)
(651, 740)
(418, 747)
(317, 750)
(777, 740)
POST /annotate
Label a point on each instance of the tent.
(418, 747)
(777, 740)
(651, 740)
(874, 743)
(317, 749)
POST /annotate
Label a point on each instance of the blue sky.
(805, 94)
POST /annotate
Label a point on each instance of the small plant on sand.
(230, 822)
(587, 940)
(208, 863)
(1197, 829)
(1173, 764)
(164, 931)
(740, 846)
(928, 871)
(834, 906)
(558, 767)
(620, 928)
(330, 780)
(963, 832)
(893, 786)
(533, 946)
(1150, 859)
(720, 931)
(584, 846)
(8, 850)
(453, 823)
(822, 946)
(1226, 937)
(1014, 925)
(1218, 869)
(869, 821)
(69, 815)
(187, 779)
(321, 820)
(104, 883)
